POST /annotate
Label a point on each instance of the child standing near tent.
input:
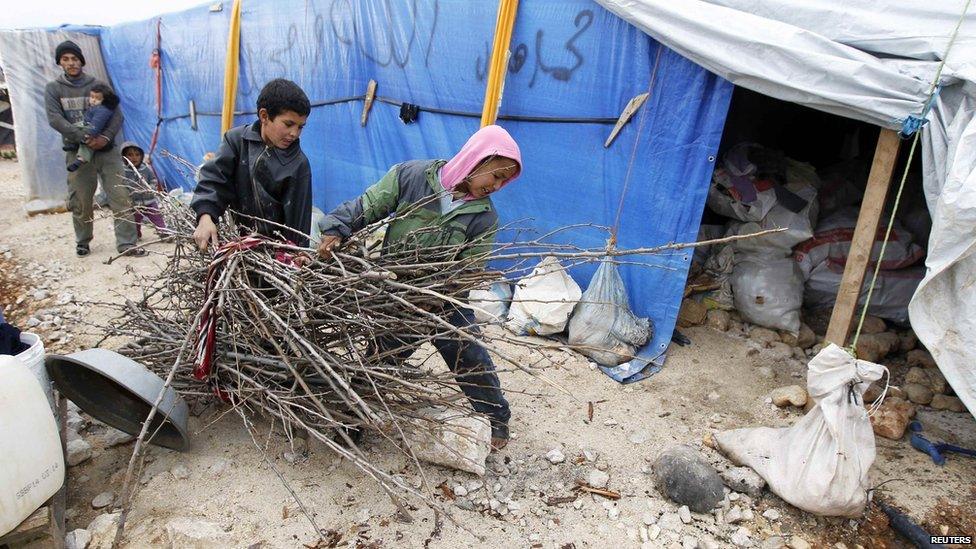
(102, 103)
(451, 197)
(260, 172)
(141, 181)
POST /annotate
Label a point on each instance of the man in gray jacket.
(66, 100)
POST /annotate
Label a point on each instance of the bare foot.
(498, 443)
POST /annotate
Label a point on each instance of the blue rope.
(913, 123)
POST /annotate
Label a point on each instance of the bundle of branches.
(320, 347)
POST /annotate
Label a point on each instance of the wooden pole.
(865, 234)
(504, 25)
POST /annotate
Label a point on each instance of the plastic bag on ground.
(603, 325)
(544, 300)
(820, 464)
(769, 292)
(491, 304)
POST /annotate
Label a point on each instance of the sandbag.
(544, 300)
(603, 325)
(820, 464)
(893, 290)
(491, 304)
(768, 292)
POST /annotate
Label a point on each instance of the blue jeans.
(473, 370)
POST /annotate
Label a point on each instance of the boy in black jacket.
(260, 172)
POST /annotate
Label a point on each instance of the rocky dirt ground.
(223, 493)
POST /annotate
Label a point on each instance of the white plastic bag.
(491, 304)
(543, 300)
(892, 292)
(603, 325)
(821, 463)
(768, 292)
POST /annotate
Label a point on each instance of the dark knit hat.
(68, 47)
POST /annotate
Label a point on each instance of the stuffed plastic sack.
(543, 300)
(768, 292)
(491, 304)
(821, 463)
(603, 323)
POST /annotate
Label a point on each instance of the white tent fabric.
(875, 62)
(27, 58)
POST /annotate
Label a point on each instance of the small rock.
(555, 456)
(743, 479)
(921, 358)
(79, 451)
(684, 476)
(747, 515)
(219, 466)
(464, 504)
(198, 534)
(653, 532)
(718, 319)
(670, 522)
(41, 294)
(873, 393)
(788, 338)
(460, 491)
(741, 538)
(590, 455)
(578, 504)
(868, 349)
(611, 422)
(689, 542)
(779, 351)
(734, 516)
(613, 513)
(33, 322)
(713, 396)
(647, 519)
(907, 341)
(113, 437)
(65, 298)
(873, 325)
(791, 394)
(896, 392)
(684, 513)
(103, 500)
(773, 542)
(475, 485)
(796, 542)
(180, 472)
(951, 403)
(639, 437)
(77, 539)
(764, 336)
(765, 372)
(102, 530)
(891, 419)
(692, 313)
(771, 515)
(918, 393)
(806, 338)
(597, 479)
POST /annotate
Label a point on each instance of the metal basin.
(120, 392)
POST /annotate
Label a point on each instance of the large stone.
(77, 539)
(888, 342)
(891, 419)
(718, 319)
(683, 475)
(873, 325)
(921, 358)
(933, 379)
(764, 336)
(789, 395)
(196, 534)
(869, 349)
(907, 341)
(938, 383)
(918, 393)
(79, 451)
(951, 403)
(102, 530)
(806, 338)
(452, 440)
(743, 479)
(692, 313)
(873, 393)
(113, 437)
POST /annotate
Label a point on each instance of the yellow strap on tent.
(231, 68)
(504, 26)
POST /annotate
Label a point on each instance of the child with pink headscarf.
(443, 203)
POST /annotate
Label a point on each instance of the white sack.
(491, 304)
(544, 300)
(603, 324)
(892, 292)
(768, 292)
(821, 463)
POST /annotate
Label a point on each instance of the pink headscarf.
(486, 142)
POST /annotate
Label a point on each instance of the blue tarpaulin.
(570, 60)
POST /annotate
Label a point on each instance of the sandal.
(134, 252)
(81, 250)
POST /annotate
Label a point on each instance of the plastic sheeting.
(569, 59)
(873, 62)
(27, 58)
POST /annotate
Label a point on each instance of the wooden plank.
(865, 233)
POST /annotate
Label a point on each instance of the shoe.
(135, 252)
(81, 250)
(75, 165)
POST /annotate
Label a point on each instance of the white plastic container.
(30, 446)
(33, 358)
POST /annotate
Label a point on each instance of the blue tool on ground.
(935, 450)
